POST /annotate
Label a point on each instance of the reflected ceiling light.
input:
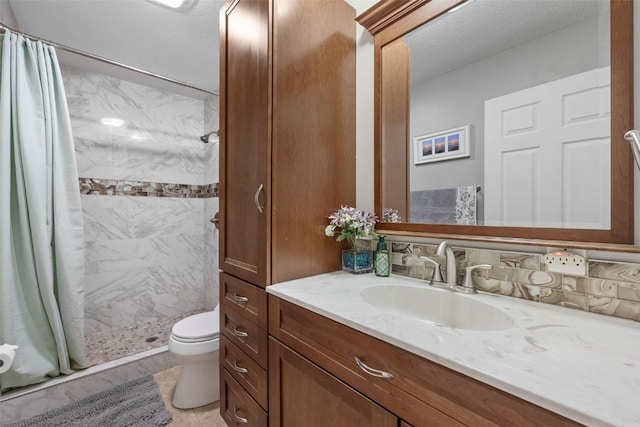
(110, 121)
(137, 137)
(175, 4)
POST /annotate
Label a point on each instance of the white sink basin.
(438, 306)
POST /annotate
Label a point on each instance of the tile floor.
(208, 415)
(116, 343)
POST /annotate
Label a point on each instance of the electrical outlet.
(566, 262)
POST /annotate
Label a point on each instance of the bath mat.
(137, 404)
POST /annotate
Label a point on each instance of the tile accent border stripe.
(117, 187)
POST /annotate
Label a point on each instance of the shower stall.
(149, 189)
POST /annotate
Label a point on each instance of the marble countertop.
(581, 365)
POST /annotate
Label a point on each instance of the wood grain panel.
(421, 392)
(245, 140)
(247, 372)
(622, 169)
(313, 132)
(396, 81)
(236, 403)
(245, 298)
(234, 326)
(302, 394)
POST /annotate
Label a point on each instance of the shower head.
(205, 138)
(633, 136)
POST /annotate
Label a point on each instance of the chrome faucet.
(443, 249)
(467, 283)
(436, 276)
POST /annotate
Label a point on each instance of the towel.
(465, 205)
(444, 206)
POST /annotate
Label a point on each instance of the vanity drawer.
(244, 370)
(236, 405)
(248, 336)
(245, 298)
(421, 392)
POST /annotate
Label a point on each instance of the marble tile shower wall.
(210, 232)
(610, 288)
(146, 257)
(158, 140)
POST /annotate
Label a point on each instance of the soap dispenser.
(383, 264)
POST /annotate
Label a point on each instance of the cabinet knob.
(238, 418)
(371, 371)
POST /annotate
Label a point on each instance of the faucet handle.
(437, 273)
(467, 282)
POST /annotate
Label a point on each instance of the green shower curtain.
(41, 227)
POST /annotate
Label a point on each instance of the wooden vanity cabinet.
(236, 405)
(420, 392)
(245, 143)
(287, 161)
(243, 352)
(302, 394)
(287, 135)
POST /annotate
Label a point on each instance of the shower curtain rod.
(4, 28)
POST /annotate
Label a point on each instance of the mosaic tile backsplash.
(115, 187)
(610, 288)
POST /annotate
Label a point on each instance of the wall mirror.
(505, 118)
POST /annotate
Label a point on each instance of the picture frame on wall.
(443, 145)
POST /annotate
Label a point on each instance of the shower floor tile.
(114, 344)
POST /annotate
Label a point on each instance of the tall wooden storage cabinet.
(287, 160)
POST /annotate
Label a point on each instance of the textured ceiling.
(182, 45)
(486, 27)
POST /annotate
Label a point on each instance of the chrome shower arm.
(633, 136)
(205, 138)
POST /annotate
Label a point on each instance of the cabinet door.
(313, 164)
(302, 394)
(421, 392)
(245, 140)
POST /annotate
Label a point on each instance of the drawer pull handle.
(239, 368)
(238, 418)
(371, 371)
(240, 298)
(240, 333)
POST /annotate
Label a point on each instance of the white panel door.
(547, 155)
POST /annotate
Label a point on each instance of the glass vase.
(357, 261)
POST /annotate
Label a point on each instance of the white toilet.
(195, 343)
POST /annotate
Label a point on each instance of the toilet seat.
(197, 328)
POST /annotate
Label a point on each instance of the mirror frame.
(389, 20)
